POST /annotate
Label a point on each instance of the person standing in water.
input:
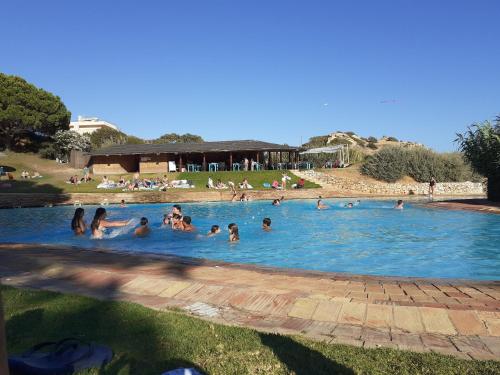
(78, 225)
(99, 223)
(143, 230)
(234, 235)
(399, 205)
(266, 224)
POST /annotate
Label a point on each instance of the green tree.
(26, 108)
(481, 147)
(315, 142)
(178, 138)
(133, 140)
(107, 137)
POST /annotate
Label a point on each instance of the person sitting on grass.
(186, 224)
(320, 205)
(210, 183)
(266, 224)
(213, 231)
(234, 235)
(143, 230)
(300, 184)
(220, 185)
(399, 205)
(244, 184)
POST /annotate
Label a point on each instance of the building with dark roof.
(160, 158)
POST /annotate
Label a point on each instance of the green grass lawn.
(55, 176)
(149, 342)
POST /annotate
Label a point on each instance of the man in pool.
(122, 203)
(143, 230)
(266, 224)
(177, 222)
(186, 224)
(399, 205)
(213, 231)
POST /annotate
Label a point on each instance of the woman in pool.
(78, 224)
(320, 205)
(99, 223)
(399, 205)
(234, 235)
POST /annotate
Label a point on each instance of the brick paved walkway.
(461, 318)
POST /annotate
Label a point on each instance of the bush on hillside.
(392, 163)
(386, 165)
(372, 139)
(372, 145)
(392, 139)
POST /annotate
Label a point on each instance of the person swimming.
(349, 205)
(99, 223)
(186, 224)
(320, 205)
(213, 231)
(143, 230)
(276, 202)
(399, 205)
(266, 224)
(233, 232)
(78, 225)
(122, 203)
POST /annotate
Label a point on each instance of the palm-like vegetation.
(481, 147)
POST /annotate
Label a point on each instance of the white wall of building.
(88, 125)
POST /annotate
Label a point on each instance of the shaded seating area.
(247, 155)
(337, 156)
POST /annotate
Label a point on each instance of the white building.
(88, 125)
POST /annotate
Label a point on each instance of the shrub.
(372, 139)
(350, 134)
(47, 151)
(387, 164)
(372, 145)
(392, 139)
(393, 163)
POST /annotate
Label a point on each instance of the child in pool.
(186, 224)
(320, 205)
(213, 231)
(266, 224)
(143, 230)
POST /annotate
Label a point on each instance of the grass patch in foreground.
(149, 342)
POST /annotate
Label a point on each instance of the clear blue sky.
(270, 70)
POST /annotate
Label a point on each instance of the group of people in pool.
(175, 220)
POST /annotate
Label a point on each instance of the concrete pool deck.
(455, 317)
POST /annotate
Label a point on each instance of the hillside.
(367, 145)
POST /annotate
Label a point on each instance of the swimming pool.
(371, 238)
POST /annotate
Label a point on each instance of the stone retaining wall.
(343, 184)
(444, 188)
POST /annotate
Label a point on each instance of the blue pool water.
(371, 238)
